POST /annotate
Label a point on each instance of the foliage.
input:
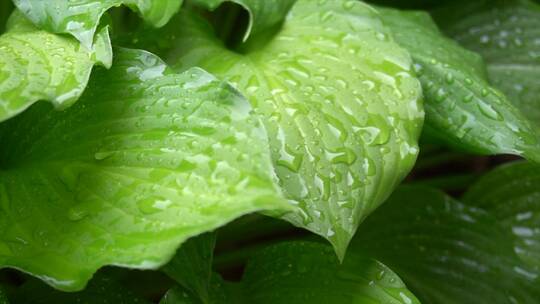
(250, 151)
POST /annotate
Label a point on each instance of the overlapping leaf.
(512, 194)
(304, 272)
(462, 109)
(5, 11)
(338, 98)
(145, 160)
(263, 14)
(507, 34)
(37, 65)
(81, 18)
(445, 251)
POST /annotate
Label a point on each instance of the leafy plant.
(250, 151)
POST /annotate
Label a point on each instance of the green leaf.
(81, 18)
(445, 251)
(512, 193)
(507, 35)
(37, 65)
(146, 159)
(306, 272)
(100, 290)
(338, 99)
(5, 11)
(192, 265)
(462, 109)
(263, 14)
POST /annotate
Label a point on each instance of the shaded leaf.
(462, 109)
(81, 18)
(100, 290)
(512, 193)
(5, 11)
(191, 266)
(3, 297)
(507, 35)
(37, 65)
(338, 99)
(263, 14)
(306, 272)
(146, 159)
(445, 251)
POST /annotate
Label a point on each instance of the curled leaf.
(37, 65)
(81, 18)
(338, 98)
(146, 159)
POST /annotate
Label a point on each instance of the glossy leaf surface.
(446, 251)
(512, 194)
(306, 272)
(462, 109)
(81, 18)
(338, 99)
(507, 35)
(37, 65)
(145, 160)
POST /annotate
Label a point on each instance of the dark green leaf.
(306, 272)
(445, 251)
(3, 297)
(37, 65)
(146, 159)
(338, 99)
(5, 11)
(512, 194)
(461, 108)
(507, 34)
(263, 14)
(81, 18)
(100, 290)
(191, 267)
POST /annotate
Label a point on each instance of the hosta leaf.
(192, 265)
(445, 251)
(80, 18)
(145, 160)
(263, 14)
(100, 290)
(37, 65)
(512, 194)
(339, 101)
(306, 272)
(507, 34)
(461, 108)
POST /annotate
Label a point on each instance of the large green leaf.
(512, 194)
(100, 290)
(507, 34)
(338, 98)
(80, 18)
(146, 159)
(461, 107)
(37, 65)
(305, 272)
(263, 14)
(445, 251)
